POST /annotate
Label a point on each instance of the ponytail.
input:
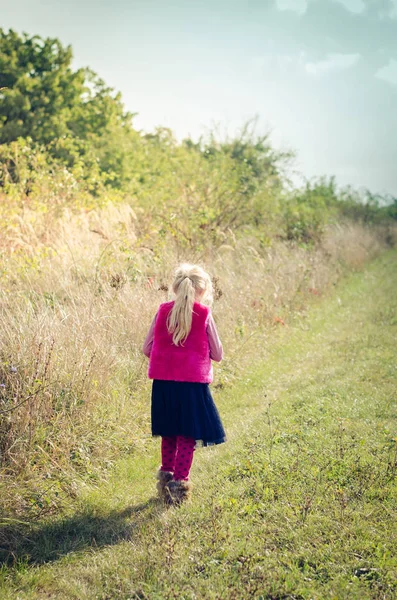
(189, 280)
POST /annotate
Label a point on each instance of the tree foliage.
(44, 99)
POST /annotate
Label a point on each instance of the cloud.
(275, 65)
(389, 72)
(333, 62)
(298, 6)
(329, 28)
(382, 9)
(354, 6)
(385, 9)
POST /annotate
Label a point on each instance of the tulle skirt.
(188, 409)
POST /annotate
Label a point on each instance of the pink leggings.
(177, 456)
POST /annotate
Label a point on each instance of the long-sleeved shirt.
(215, 344)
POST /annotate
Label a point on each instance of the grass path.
(300, 503)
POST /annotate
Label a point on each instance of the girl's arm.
(148, 343)
(216, 350)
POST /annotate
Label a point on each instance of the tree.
(42, 98)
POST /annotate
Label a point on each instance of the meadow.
(300, 502)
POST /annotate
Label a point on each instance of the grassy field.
(300, 503)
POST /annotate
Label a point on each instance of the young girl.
(180, 344)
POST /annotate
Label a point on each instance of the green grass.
(300, 503)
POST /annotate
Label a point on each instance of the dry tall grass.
(75, 308)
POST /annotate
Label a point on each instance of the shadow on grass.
(39, 543)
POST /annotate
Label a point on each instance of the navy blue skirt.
(188, 409)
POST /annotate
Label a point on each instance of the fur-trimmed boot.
(179, 491)
(164, 477)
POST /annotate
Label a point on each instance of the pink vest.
(190, 362)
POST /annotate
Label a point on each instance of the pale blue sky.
(321, 74)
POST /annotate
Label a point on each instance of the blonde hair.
(191, 284)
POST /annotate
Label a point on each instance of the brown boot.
(179, 491)
(164, 477)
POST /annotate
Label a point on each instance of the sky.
(320, 75)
